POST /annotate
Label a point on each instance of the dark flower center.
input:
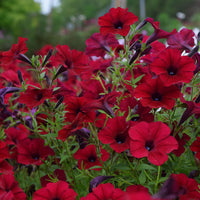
(156, 97)
(135, 118)
(56, 198)
(120, 139)
(68, 63)
(172, 71)
(78, 109)
(149, 145)
(7, 190)
(35, 156)
(118, 25)
(39, 96)
(92, 158)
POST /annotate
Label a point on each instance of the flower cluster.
(118, 121)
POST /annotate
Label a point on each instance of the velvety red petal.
(167, 145)
(157, 158)
(137, 149)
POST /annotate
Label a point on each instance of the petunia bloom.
(57, 174)
(15, 51)
(87, 157)
(133, 108)
(115, 133)
(181, 142)
(117, 21)
(33, 151)
(6, 168)
(138, 192)
(154, 94)
(58, 191)
(152, 140)
(105, 191)
(182, 40)
(73, 60)
(34, 97)
(179, 186)
(158, 32)
(172, 67)
(9, 188)
(81, 109)
(99, 45)
(195, 147)
(4, 151)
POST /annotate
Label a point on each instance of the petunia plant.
(118, 121)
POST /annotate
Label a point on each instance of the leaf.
(137, 79)
(162, 179)
(42, 75)
(142, 178)
(144, 166)
(121, 166)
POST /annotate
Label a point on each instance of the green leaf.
(121, 166)
(42, 75)
(144, 166)
(162, 179)
(142, 178)
(137, 79)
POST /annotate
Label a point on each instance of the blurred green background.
(73, 21)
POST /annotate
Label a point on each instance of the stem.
(125, 181)
(147, 175)
(158, 177)
(131, 166)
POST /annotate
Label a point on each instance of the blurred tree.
(155, 7)
(18, 19)
(87, 8)
(14, 13)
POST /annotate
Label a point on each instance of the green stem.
(158, 177)
(147, 175)
(131, 166)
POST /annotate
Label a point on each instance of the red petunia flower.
(33, 151)
(76, 61)
(182, 40)
(15, 51)
(130, 106)
(69, 129)
(4, 152)
(15, 135)
(158, 32)
(100, 65)
(152, 140)
(9, 188)
(45, 49)
(34, 97)
(187, 188)
(192, 107)
(80, 108)
(105, 191)
(173, 68)
(138, 192)
(57, 174)
(6, 168)
(179, 186)
(58, 191)
(117, 21)
(115, 133)
(195, 147)
(99, 45)
(87, 157)
(181, 142)
(154, 94)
